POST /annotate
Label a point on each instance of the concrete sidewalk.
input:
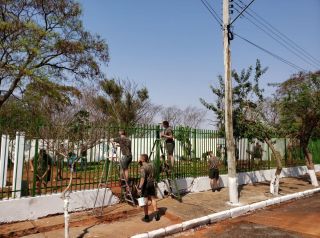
(123, 220)
(297, 218)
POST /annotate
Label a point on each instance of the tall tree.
(299, 103)
(122, 102)
(45, 40)
(246, 90)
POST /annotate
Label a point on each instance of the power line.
(272, 54)
(213, 13)
(306, 60)
(209, 8)
(280, 35)
(240, 13)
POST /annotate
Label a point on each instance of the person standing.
(214, 172)
(125, 146)
(169, 141)
(147, 187)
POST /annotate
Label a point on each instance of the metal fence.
(23, 159)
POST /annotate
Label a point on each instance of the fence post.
(35, 168)
(4, 160)
(158, 148)
(18, 165)
(194, 152)
(269, 157)
(285, 152)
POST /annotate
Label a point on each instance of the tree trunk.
(310, 166)
(275, 181)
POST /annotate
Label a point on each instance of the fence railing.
(25, 161)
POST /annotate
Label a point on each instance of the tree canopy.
(246, 94)
(45, 42)
(299, 107)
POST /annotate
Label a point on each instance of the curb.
(219, 216)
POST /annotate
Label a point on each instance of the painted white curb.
(219, 216)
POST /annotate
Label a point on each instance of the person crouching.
(146, 186)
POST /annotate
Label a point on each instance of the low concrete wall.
(32, 208)
(201, 184)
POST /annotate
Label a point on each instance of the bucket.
(141, 202)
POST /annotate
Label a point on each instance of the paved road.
(299, 218)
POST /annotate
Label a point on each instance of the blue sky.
(174, 47)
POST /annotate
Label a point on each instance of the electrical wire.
(212, 12)
(240, 13)
(280, 42)
(272, 54)
(294, 46)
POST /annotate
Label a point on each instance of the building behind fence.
(17, 178)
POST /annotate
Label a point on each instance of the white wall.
(203, 183)
(31, 208)
(35, 207)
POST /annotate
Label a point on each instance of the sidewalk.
(283, 220)
(123, 220)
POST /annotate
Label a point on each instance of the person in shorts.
(125, 146)
(147, 187)
(167, 135)
(42, 169)
(214, 172)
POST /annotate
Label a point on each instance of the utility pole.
(232, 175)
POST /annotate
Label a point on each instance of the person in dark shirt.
(167, 135)
(147, 186)
(125, 146)
(213, 164)
(42, 169)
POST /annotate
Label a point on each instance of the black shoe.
(157, 216)
(146, 218)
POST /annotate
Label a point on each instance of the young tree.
(45, 41)
(248, 118)
(122, 102)
(246, 91)
(300, 111)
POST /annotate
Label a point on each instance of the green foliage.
(44, 41)
(299, 104)
(121, 102)
(183, 135)
(78, 127)
(246, 95)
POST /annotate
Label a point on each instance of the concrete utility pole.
(232, 175)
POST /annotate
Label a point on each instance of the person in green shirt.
(42, 169)
(125, 146)
(167, 135)
(147, 187)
